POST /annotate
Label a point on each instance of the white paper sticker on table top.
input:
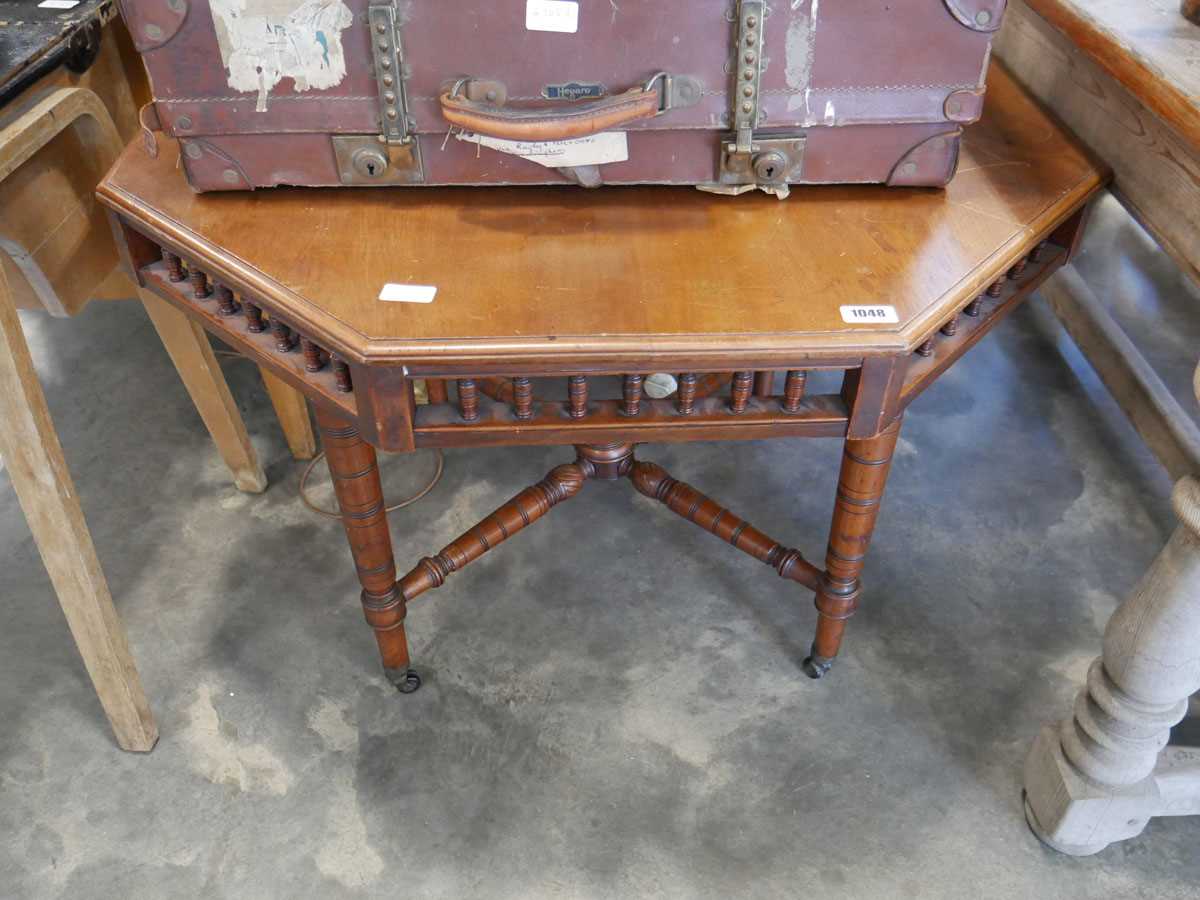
(552, 15)
(265, 41)
(408, 293)
(59, 4)
(593, 150)
(870, 315)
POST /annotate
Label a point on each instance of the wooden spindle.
(631, 403)
(926, 349)
(341, 376)
(283, 336)
(1039, 252)
(226, 305)
(1019, 269)
(973, 307)
(793, 390)
(174, 266)
(254, 319)
(950, 329)
(743, 384)
(687, 394)
(517, 514)
(577, 391)
(468, 399)
(313, 360)
(523, 397)
(764, 384)
(200, 288)
(995, 289)
(685, 501)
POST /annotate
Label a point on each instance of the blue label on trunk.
(574, 91)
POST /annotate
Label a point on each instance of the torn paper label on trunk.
(265, 41)
(593, 150)
(553, 15)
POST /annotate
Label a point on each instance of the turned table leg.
(355, 475)
(865, 465)
(1101, 774)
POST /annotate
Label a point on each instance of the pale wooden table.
(59, 132)
(1125, 76)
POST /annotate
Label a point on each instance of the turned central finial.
(605, 462)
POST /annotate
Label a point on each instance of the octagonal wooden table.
(736, 298)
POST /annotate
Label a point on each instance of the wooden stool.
(885, 288)
(69, 89)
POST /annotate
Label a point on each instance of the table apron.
(381, 398)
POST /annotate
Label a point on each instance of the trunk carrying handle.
(575, 120)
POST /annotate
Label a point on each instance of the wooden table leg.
(355, 475)
(34, 458)
(292, 411)
(1102, 774)
(188, 346)
(435, 390)
(865, 466)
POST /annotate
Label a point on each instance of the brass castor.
(816, 667)
(407, 681)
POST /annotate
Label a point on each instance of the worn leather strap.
(550, 123)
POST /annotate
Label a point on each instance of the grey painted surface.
(1107, 768)
(613, 705)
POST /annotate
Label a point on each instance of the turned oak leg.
(865, 465)
(355, 475)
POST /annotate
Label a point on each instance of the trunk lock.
(393, 156)
(369, 162)
(747, 157)
(770, 166)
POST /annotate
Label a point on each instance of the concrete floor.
(613, 705)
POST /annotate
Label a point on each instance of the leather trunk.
(731, 95)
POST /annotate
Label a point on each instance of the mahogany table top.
(552, 272)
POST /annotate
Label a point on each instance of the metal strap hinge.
(748, 71)
(388, 56)
(747, 158)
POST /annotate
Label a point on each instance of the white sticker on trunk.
(264, 41)
(408, 293)
(59, 4)
(593, 150)
(870, 315)
(552, 15)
